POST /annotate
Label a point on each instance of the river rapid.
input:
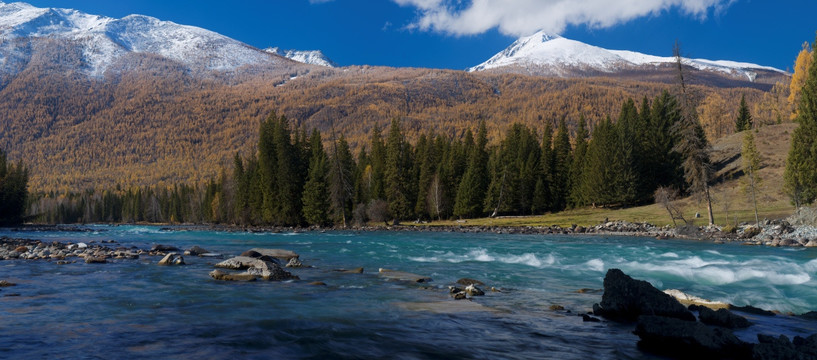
(136, 309)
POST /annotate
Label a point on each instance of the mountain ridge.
(552, 55)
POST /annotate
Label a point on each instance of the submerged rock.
(350, 271)
(625, 299)
(221, 275)
(90, 259)
(588, 318)
(403, 276)
(4, 283)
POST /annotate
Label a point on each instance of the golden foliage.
(798, 79)
(158, 126)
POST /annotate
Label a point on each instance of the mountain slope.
(544, 54)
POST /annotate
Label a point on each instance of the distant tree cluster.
(293, 180)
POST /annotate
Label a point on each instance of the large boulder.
(625, 299)
(688, 339)
(269, 270)
(722, 318)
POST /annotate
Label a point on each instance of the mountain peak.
(312, 57)
(552, 55)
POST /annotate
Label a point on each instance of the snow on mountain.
(312, 57)
(104, 40)
(548, 54)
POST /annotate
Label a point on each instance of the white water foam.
(482, 255)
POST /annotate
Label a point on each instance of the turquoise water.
(136, 309)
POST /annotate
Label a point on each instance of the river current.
(136, 309)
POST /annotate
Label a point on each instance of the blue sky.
(458, 34)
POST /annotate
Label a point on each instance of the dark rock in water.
(251, 253)
(588, 291)
(556, 307)
(688, 339)
(318, 283)
(722, 317)
(163, 248)
(774, 348)
(588, 318)
(625, 299)
(459, 296)
(811, 315)
(454, 289)
(467, 281)
(221, 275)
(4, 283)
(196, 251)
(95, 260)
(752, 310)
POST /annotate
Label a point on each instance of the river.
(136, 309)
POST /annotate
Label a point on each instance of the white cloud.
(524, 17)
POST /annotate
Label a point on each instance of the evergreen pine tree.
(316, 195)
(542, 196)
(561, 167)
(396, 173)
(744, 120)
(800, 176)
(378, 161)
(575, 196)
(471, 190)
(341, 172)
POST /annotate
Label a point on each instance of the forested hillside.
(157, 125)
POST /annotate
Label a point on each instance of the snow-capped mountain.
(102, 41)
(553, 55)
(312, 57)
